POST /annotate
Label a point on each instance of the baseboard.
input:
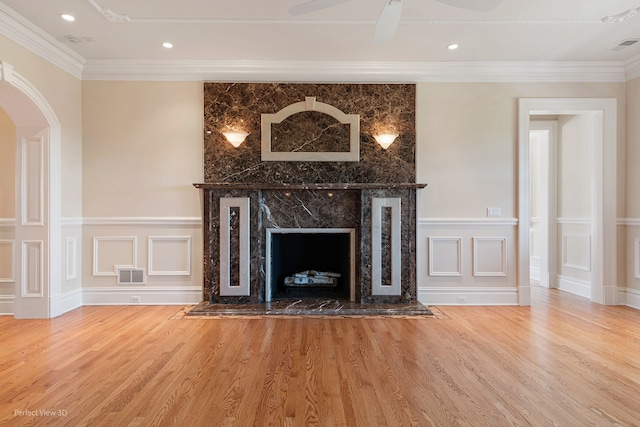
(66, 302)
(574, 286)
(142, 295)
(468, 296)
(629, 297)
(7, 305)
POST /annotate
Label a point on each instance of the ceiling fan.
(391, 13)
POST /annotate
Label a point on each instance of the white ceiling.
(264, 30)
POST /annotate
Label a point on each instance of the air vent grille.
(624, 44)
(131, 276)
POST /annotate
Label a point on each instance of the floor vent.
(624, 44)
(131, 276)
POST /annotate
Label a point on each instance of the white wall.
(630, 226)
(467, 154)
(142, 153)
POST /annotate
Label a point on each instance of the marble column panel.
(408, 248)
(212, 246)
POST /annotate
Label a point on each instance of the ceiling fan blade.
(477, 5)
(388, 21)
(313, 5)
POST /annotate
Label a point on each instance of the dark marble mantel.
(311, 186)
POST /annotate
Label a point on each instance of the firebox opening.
(310, 265)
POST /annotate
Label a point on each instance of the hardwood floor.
(562, 362)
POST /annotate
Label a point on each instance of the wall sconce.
(235, 137)
(385, 139)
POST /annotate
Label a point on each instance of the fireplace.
(245, 223)
(310, 263)
(309, 198)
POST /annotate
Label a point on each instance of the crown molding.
(354, 71)
(28, 35)
(31, 37)
(632, 68)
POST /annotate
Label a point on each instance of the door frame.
(604, 190)
(28, 108)
(548, 209)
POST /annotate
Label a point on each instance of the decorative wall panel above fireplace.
(382, 108)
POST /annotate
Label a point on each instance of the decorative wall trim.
(32, 269)
(96, 254)
(566, 252)
(631, 222)
(577, 221)
(632, 67)
(467, 222)
(148, 221)
(186, 240)
(433, 270)
(629, 297)
(33, 180)
(71, 222)
(31, 37)
(574, 286)
(242, 288)
(354, 71)
(7, 222)
(310, 104)
(477, 268)
(63, 303)
(7, 305)
(472, 295)
(636, 257)
(141, 295)
(11, 277)
(71, 255)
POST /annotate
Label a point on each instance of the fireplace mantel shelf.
(310, 186)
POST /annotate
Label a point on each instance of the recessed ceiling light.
(167, 45)
(452, 46)
(68, 17)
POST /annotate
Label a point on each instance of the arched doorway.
(38, 194)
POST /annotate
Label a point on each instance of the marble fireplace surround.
(238, 217)
(248, 193)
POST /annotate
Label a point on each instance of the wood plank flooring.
(562, 362)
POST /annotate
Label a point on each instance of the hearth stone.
(311, 307)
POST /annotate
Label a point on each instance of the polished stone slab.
(310, 307)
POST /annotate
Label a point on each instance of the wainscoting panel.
(445, 256)
(71, 254)
(109, 252)
(7, 261)
(576, 251)
(467, 261)
(490, 256)
(33, 268)
(172, 245)
(169, 256)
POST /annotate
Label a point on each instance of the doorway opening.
(37, 220)
(600, 239)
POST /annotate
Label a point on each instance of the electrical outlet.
(136, 299)
(462, 300)
(494, 212)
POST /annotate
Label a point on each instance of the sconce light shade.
(385, 139)
(235, 137)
